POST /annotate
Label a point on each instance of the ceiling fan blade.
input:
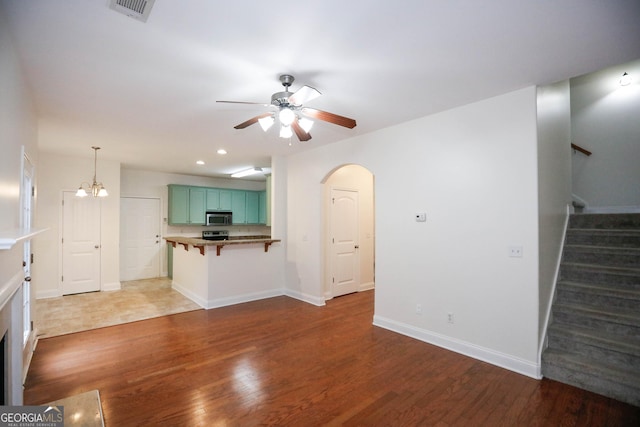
(330, 117)
(304, 94)
(300, 133)
(251, 121)
(244, 102)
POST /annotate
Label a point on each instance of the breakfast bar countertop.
(232, 240)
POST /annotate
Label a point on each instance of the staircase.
(594, 335)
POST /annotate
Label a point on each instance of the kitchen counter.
(243, 274)
(201, 244)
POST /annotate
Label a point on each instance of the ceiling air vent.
(136, 9)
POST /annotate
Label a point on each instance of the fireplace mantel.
(8, 238)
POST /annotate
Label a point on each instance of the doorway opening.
(349, 224)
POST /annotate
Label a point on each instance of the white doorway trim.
(355, 178)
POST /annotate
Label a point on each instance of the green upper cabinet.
(239, 206)
(178, 204)
(262, 207)
(186, 205)
(197, 205)
(253, 207)
(218, 199)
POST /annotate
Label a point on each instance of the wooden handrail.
(580, 149)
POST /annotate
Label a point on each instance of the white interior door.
(80, 244)
(344, 239)
(139, 238)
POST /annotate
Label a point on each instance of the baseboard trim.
(113, 286)
(187, 293)
(366, 286)
(493, 357)
(311, 299)
(53, 293)
(239, 299)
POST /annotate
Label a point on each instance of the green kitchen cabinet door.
(239, 206)
(213, 199)
(253, 207)
(178, 204)
(225, 200)
(197, 202)
(262, 208)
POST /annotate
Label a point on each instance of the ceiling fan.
(291, 112)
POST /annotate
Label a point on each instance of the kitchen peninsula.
(247, 270)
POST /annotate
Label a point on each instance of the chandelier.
(96, 188)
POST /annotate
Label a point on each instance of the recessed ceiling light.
(222, 151)
(200, 162)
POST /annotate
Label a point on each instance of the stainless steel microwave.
(219, 218)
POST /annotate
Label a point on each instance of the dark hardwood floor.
(284, 362)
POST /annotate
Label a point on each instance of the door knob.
(357, 246)
(97, 246)
(27, 279)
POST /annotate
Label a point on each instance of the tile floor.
(137, 300)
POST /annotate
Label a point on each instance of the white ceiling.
(146, 92)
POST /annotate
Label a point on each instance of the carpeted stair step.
(603, 296)
(605, 221)
(602, 256)
(620, 384)
(619, 322)
(625, 277)
(611, 350)
(603, 237)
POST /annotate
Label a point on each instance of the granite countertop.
(233, 240)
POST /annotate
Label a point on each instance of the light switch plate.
(421, 217)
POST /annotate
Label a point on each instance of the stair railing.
(580, 149)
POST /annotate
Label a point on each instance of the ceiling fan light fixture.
(286, 116)
(286, 132)
(305, 124)
(266, 122)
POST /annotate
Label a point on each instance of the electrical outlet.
(515, 251)
(450, 318)
(418, 308)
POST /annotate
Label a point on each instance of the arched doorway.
(349, 230)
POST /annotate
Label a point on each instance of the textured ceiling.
(146, 92)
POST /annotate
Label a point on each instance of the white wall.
(18, 128)
(63, 173)
(473, 170)
(606, 121)
(554, 187)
